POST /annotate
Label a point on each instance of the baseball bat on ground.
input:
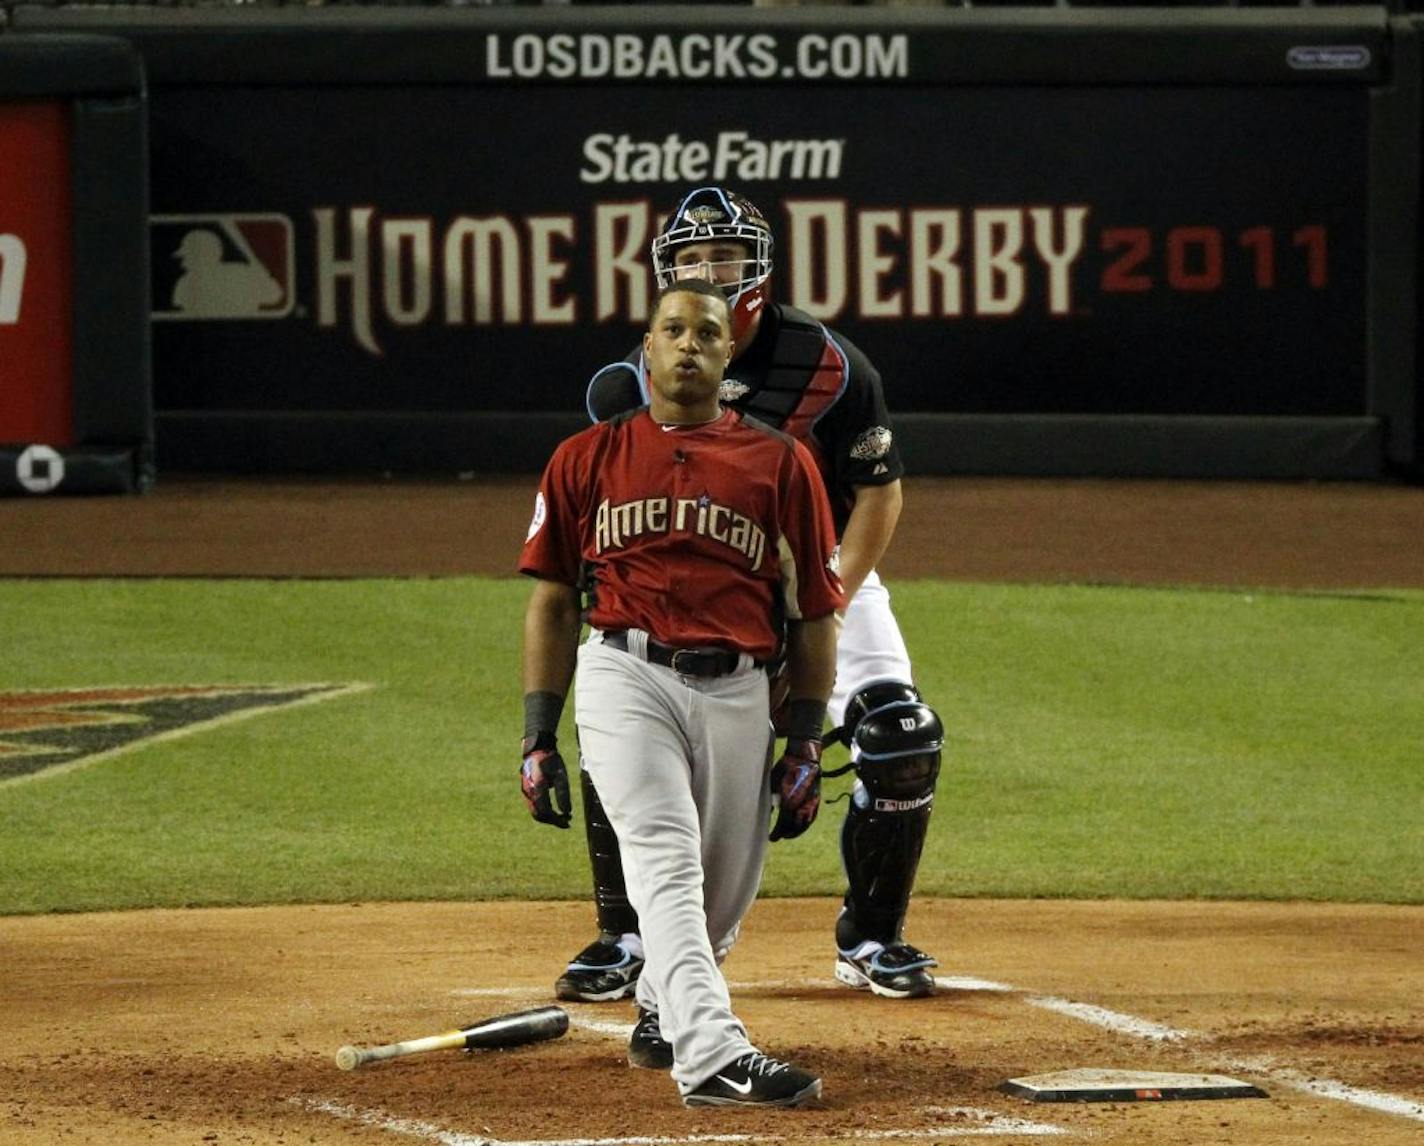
(510, 1030)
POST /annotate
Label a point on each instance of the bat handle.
(349, 1058)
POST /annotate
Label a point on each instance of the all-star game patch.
(44, 732)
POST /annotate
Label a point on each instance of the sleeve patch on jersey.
(540, 512)
(873, 443)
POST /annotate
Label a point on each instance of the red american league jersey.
(802, 378)
(701, 535)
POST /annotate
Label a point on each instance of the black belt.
(687, 662)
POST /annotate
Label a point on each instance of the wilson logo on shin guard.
(883, 805)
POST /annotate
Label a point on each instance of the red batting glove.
(796, 781)
(541, 774)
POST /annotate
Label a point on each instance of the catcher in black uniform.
(797, 375)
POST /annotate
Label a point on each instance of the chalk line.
(986, 1124)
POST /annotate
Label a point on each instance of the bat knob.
(348, 1058)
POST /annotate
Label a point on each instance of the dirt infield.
(220, 1026)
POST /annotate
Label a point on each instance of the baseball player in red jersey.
(791, 372)
(699, 537)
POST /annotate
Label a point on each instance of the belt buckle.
(690, 657)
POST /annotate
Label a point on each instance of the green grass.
(1102, 742)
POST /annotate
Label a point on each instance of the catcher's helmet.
(706, 215)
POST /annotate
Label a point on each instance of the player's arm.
(868, 531)
(865, 459)
(810, 649)
(811, 663)
(551, 632)
(796, 776)
(551, 556)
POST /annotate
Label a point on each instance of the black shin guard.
(896, 740)
(610, 892)
(881, 853)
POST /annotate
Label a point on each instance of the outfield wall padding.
(76, 410)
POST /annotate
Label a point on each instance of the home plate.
(1088, 1084)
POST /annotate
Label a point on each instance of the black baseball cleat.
(898, 971)
(603, 971)
(755, 1080)
(647, 1048)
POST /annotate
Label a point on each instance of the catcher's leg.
(608, 968)
(896, 740)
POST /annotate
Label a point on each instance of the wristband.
(541, 713)
(804, 719)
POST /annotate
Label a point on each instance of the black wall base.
(43, 471)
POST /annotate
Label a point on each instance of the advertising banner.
(1164, 249)
(36, 402)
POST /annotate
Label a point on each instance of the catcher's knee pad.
(610, 892)
(896, 740)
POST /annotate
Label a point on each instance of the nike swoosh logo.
(739, 1087)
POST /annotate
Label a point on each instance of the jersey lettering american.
(700, 535)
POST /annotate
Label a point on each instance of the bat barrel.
(517, 1029)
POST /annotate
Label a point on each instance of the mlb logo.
(221, 267)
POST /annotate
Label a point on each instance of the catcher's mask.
(707, 215)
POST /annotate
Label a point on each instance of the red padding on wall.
(36, 274)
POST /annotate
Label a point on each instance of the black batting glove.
(542, 775)
(796, 784)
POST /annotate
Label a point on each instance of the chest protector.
(806, 376)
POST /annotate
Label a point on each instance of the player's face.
(719, 261)
(687, 348)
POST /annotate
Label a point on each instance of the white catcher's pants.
(869, 647)
(680, 764)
